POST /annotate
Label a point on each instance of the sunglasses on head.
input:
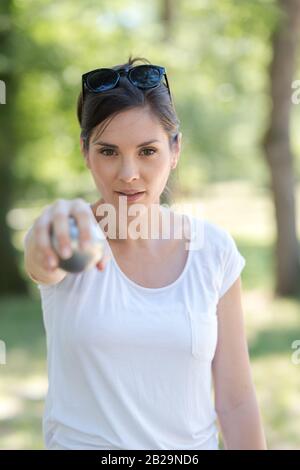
(141, 76)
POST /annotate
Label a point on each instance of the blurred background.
(233, 68)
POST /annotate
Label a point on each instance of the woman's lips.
(131, 197)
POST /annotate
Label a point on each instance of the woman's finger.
(104, 260)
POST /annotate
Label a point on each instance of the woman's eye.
(151, 150)
(106, 150)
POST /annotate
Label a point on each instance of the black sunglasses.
(141, 76)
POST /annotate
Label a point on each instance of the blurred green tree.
(10, 277)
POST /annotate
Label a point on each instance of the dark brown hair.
(98, 107)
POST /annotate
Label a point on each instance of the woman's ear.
(84, 152)
(176, 150)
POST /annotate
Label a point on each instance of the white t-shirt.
(129, 367)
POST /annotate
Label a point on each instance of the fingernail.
(66, 252)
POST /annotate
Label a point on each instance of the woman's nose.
(128, 172)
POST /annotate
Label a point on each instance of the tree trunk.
(11, 280)
(167, 19)
(277, 148)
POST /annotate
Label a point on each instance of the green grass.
(23, 378)
(272, 324)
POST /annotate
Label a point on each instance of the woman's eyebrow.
(99, 142)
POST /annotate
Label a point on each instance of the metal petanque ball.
(80, 260)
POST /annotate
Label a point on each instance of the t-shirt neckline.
(168, 286)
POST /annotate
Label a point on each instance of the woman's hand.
(57, 214)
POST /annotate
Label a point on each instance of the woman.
(134, 344)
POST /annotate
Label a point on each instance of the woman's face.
(132, 153)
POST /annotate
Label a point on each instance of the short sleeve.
(232, 265)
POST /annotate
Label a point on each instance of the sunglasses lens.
(102, 80)
(145, 76)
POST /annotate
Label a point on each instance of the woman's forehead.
(134, 124)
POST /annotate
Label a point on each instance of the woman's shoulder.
(202, 233)
(218, 252)
(210, 235)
